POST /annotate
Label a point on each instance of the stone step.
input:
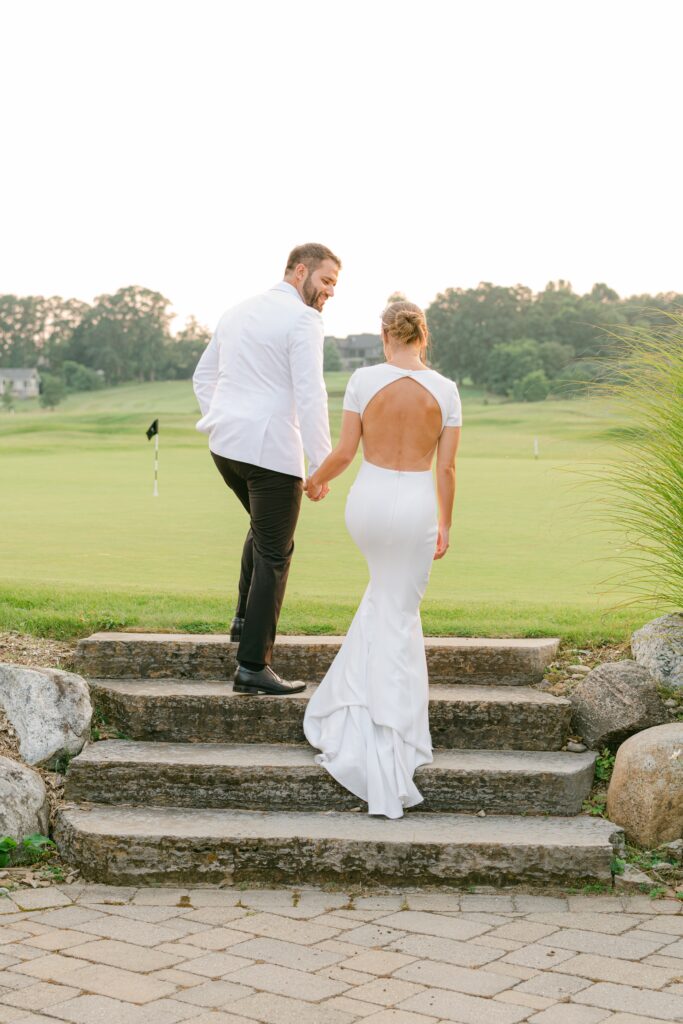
(184, 711)
(280, 777)
(183, 846)
(211, 656)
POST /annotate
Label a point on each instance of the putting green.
(85, 544)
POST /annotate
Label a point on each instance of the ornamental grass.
(644, 492)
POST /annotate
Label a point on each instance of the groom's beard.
(313, 296)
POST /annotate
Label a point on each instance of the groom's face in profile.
(319, 284)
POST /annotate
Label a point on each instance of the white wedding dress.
(369, 715)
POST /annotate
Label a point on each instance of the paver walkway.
(89, 953)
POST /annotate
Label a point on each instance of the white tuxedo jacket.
(260, 384)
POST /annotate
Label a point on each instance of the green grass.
(84, 545)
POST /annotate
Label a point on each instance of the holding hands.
(315, 491)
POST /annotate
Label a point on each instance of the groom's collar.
(285, 286)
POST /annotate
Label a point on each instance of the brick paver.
(624, 997)
(90, 954)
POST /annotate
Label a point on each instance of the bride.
(369, 715)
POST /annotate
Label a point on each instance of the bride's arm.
(445, 485)
(340, 457)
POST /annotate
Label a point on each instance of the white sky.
(187, 146)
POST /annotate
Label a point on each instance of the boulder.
(614, 701)
(24, 807)
(645, 794)
(658, 647)
(49, 709)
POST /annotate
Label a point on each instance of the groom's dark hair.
(311, 255)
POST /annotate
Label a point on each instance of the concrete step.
(185, 711)
(211, 656)
(182, 846)
(281, 777)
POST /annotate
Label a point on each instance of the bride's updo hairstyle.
(405, 324)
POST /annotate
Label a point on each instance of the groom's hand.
(316, 492)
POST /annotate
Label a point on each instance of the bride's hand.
(442, 542)
(316, 492)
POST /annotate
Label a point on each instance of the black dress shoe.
(264, 681)
(236, 629)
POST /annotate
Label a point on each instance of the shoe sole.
(256, 690)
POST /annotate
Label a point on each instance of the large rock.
(49, 709)
(614, 701)
(24, 807)
(645, 794)
(658, 647)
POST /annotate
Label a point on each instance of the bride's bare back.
(401, 426)
(403, 413)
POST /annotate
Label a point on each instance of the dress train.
(369, 715)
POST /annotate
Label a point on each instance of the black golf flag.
(152, 430)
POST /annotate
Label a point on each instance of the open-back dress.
(369, 715)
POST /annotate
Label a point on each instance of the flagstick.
(156, 466)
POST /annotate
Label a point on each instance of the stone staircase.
(214, 787)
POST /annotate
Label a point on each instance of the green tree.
(577, 377)
(510, 362)
(62, 318)
(466, 325)
(331, 358)
(81, 378)
(533, 387)
(125, 335)
(184, 351)
(35, 330)
(21, 319)
(52, 390)
(554, 357)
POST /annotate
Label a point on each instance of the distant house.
(23, 383)
(360, 350)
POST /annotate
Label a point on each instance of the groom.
(260, 387)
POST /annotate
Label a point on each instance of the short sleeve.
(351, 399)
(454, 418)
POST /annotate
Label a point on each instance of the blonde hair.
(406, 323)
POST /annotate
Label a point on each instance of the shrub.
(81, 378)
(577, 378)
(510, 362)
(554, 357)
(7, 398)
(52, 390)
(534, 387)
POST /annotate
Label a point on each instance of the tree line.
(508, 340)
(124, 336)
(514, 342)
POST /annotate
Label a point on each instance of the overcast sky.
(187, 146)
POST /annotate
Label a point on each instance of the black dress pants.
(273, 501)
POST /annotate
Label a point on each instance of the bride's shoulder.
(366, 374)
(366, 371)
(446, 381)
